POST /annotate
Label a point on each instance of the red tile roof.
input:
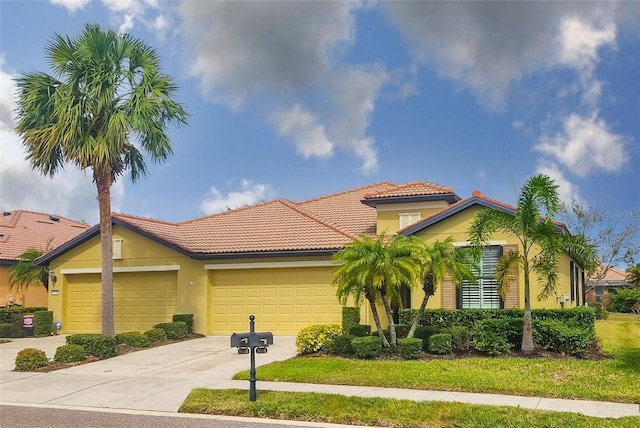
(416, 188)
(23, 230)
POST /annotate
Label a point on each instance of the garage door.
(141, 300)
(283, 300)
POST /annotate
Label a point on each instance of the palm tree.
(437, 261)
(633, 275)
(539, 242)
(27, 272)
(377, 267)
(105, 105)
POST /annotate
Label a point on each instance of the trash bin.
(27, 324)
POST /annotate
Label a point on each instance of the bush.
(70, 353)
(340, 345)
(133, 338)
(601, 313)
(187, 319)
(359, 330)
(14, 313)
(410, 348)
(624, 299)
(174, 330)
(30, 359)
(313, 338)
(350, 317)
(402, 330)
(440, 343)
(11, 330)
(99, 345)
(460, 338)
(425, 333)
(42, 323)
(562, 338)
(491, 339)
(367, 348)
(156, 335)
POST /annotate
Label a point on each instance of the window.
(484, 293)
(408, 219)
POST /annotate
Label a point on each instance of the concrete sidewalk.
(159, 379)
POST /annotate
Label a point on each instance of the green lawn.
(613, 379)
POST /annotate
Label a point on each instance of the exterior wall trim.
(268, 265)
(469, 244)
(122, 269)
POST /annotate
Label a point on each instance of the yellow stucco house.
(20, 231)
(271, 259)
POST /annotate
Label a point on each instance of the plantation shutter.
(448, 293)
(512, 300)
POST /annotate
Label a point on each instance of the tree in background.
(106, 104)
(633, 275)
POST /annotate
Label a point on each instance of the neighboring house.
(604, 282)
(23, 230)
(272, 260)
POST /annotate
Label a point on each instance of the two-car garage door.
(283, 300)
(141, 299)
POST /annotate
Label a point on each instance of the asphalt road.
(30, 417)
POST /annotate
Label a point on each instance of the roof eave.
(451, 198)
(263, 254)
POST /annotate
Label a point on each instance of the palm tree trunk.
(418, 316)
(103, 184)
(376, 319)
(387, 307)
(527, 346)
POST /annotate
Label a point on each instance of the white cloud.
(71, 5)
(585, 145)
(70, 193)
(250, 193)
(301, 126)
(567, 191)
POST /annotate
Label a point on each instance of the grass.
(330, 408)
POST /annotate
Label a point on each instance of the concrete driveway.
(153, 379)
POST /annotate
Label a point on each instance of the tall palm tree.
(105, 105)
(438, 260)
(377, 267)
(540, 245)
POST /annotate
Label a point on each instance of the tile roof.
(416, 188)
(22, 230)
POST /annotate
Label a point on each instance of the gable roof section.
(417, 191)
(476, 198)
(22, 230)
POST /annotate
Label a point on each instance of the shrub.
(624, 299)
(156, 335)
(440, 343)
(425, 333)
(367, 348)
(42, 323)
(402, 330)
(410, 348)
(187, 319)
(11, 330)
(460, 338)
(99, 345)
(601, 313)
(70, 353)
(350, 317)
(30, 359)
(342, 344)
(562, 338)
(490, 338)
(174, 330)
(359, 330)
(133, 338)
(14, 313)
(313, 338)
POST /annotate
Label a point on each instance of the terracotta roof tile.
(22, 230)
(416, 188)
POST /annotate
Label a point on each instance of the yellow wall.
(34, 296)
(389, 219)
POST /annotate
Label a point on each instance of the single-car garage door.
(283, 300)
(141, 299)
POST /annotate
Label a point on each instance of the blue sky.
(300, 99)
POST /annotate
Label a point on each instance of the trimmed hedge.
(410, 348)
(313, 338)
(491, 336)
(99, 345)
(425, 333)
(440, 343)
(360, 330)
(562, 338)
(42, 323)
(156, 335)
(133, 338)
(30, 359)
(70, 354)
(340, 345)
(174, 330)
(14, 313)
(187, 319)
(367, 348)
(11, 330)
(350, 317)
